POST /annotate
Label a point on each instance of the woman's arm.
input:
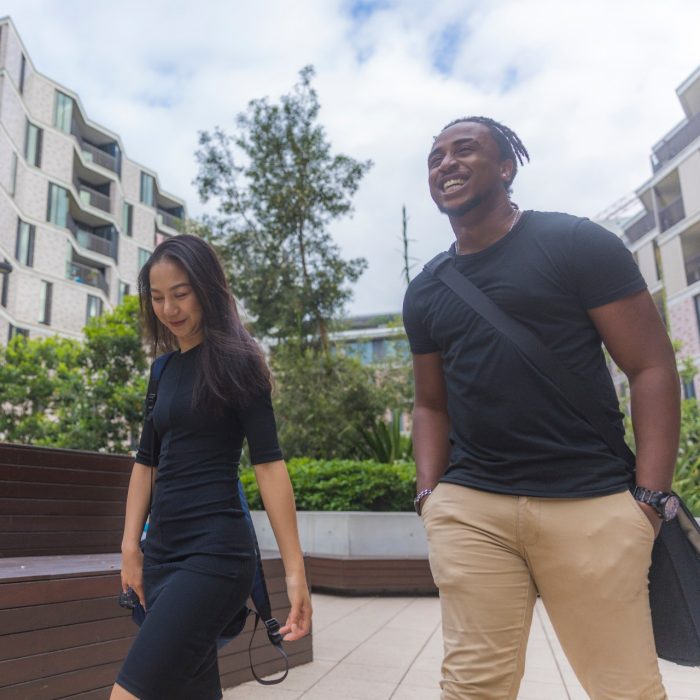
(278, 496)
(137, 505)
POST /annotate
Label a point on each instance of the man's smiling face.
(465, 168)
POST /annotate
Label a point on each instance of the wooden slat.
(102, 541)
(41, 617)
(14, 646)
(62, 475)
(64, 523)
(40, 592)
(47, 506)
(16, 671)
(11, 489)
(63, 685)
(50, 457)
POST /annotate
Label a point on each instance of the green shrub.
(344, 485)
(385, 442)
(686, 481)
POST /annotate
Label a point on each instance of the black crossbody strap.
(442, 267)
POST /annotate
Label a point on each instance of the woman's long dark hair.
(231, 368)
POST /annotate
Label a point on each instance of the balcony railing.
(87, 275)
(165, 218)
(91, 241)
(94, 153)
(92, 197)
(672, 214)
(671, 147)
(639, 228)
(97, 155)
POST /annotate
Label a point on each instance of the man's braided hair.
(509, 143)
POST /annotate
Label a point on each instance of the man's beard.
(463, 208)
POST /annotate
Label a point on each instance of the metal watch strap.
(419, 497)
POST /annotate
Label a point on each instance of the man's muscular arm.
(431, 423)
(633, 333)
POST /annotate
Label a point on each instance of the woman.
(198, 562)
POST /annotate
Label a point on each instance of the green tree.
(35, 376)
(80, 395)
(274, 206)
(321, 401)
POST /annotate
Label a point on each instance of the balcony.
(103, 239)
(669, 148)
(89, 195)
(166, 218)
(84, 274)
(96, 154)
(672, 214)
(692, 269)
(639, 228)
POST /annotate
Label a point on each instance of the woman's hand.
(298, 623)
(132, 573)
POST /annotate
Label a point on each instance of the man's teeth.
(452, 184)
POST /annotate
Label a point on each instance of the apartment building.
(665, 235)
(77, 217)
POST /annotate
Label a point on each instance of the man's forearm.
(655, 402)
(431, 445)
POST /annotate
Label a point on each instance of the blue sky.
(589, 87)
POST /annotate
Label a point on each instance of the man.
(518, 493)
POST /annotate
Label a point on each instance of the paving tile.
(409, 692)
(255, 691)
(350, 688)
(534, 690)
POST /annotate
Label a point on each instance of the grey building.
(664, 235)
(77, 217)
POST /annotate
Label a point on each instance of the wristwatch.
(663, 502)
(417, 500)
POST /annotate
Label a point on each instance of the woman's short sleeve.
(146, 445)
(258, 420)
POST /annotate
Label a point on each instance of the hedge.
(341, 484)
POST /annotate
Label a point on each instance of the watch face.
(670, 507)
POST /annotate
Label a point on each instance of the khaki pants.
(588, 558)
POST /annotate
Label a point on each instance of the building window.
(5, 288)
(24, 250)
(143, 257)
(13, 174)
(63, 116)
(58, 206)
(22, 74)
(45, 295)
(148, 190)
(32, 144)
(123, 291)
(657, 261)
(14, 332)
(94, 307)
(127, 218)
(689, 389)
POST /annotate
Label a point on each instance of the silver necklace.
(516, 218)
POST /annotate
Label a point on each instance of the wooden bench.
(356, 575)
(62, 634)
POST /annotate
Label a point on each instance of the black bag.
(674, 576)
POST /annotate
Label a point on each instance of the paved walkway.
(390, 649)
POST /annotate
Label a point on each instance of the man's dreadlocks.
(509, 143)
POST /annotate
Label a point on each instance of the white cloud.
(589, 87)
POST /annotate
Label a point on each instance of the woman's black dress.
(199, 558)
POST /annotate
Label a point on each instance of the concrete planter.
(352, 534)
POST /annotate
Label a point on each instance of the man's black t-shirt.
(511, 430)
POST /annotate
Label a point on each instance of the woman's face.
(175, 303)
